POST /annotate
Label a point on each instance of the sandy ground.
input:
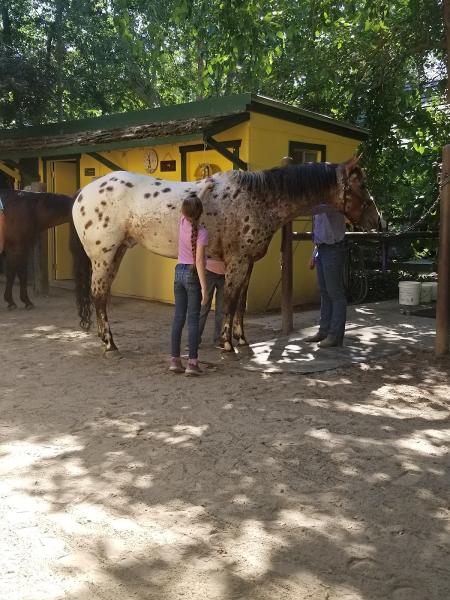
(120, 481)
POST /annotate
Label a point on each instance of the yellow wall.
(269, 142)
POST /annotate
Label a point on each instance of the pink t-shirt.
(215, 266)
(184, 241)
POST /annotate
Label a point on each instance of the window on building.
(304, 152)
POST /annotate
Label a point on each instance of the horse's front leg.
(238, 320)
(236, 271)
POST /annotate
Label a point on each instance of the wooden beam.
(220, 147)
(105, 161)
(443, 293)
(9, 171)
(184, 150)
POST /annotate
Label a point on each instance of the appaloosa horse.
(26, 215)
(242, 211)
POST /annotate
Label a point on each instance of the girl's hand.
(204, 296)
(312, 263)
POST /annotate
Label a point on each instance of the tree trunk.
(6, 22)
(200, 69)
(447, 37)
(59, 57)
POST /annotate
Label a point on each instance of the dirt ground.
(120, 481)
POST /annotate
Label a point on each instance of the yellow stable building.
(182, 142)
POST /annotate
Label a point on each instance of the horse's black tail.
(82, 270)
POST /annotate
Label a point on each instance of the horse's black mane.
(312, 179)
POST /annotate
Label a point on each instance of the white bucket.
(409, 293)
(426, 292)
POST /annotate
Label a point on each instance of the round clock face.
(151, 161)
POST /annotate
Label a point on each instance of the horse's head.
(354, 199)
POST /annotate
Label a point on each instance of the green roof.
(157, 125)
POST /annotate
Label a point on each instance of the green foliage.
(378, 63)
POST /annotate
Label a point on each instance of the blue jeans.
(188, 299)
(330, 262)
(215, 283)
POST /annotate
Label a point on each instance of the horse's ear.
(351, 164)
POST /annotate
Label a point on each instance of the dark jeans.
(188, 299)
(330, 262)
(215, 283)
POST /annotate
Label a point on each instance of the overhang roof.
(157, 126)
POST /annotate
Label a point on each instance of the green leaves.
(378, 63)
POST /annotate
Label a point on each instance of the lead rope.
(443, 180)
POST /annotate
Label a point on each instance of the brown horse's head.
(355, 200)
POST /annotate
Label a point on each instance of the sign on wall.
(168, 165)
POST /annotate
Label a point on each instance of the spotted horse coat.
(242, 211)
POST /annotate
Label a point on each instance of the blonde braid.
(192, 209)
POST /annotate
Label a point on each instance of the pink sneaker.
(176, 365)
(192, 370)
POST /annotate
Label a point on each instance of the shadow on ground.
(121, 482)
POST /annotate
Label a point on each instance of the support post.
(287, 310)
(443, 294)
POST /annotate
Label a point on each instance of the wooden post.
(443, 294)
(287, 310)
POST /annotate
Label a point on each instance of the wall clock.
(151, 160)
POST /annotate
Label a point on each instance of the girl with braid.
(189, 285)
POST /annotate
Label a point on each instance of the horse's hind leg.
(23, 277)
(238, 320)
(103, 272)
(104, 330)
(237, 269)
(10, 276)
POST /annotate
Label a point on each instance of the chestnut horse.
(26, 215)
(242, 211)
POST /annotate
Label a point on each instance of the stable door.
(61, 179)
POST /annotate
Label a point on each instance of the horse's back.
(129, 206)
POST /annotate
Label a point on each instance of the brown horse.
(242, 211)
(26, 215)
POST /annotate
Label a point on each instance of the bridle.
(345, 196)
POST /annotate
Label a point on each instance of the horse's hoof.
(12, 306)
(227, 347)
(242, 342)
(29, 306)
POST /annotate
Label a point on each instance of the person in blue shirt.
(2, 227)
(329, 261)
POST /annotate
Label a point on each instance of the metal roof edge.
(213, 107)
(265, 101)
(210, 107)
